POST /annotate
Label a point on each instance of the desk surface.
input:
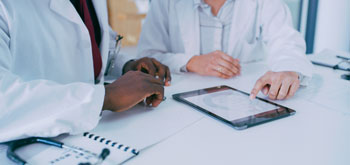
(318, 133)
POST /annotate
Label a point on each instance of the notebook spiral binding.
(111, 143)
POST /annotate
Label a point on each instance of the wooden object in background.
(125, 19)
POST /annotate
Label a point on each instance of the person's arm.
(119, 64)
(285, 46)
(42, 107)
(289, 67)
(45, 108)
(155, 40)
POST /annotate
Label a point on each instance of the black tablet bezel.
(242, 123)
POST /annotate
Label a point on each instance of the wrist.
(295, 74)
(106, 102)
(128, 66)
(190, 65)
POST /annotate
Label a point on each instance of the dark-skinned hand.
(150, 66)
(132, 88)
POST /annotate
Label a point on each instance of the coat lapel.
(66, 10)
(102, 16)
(188, 19)
(244, 10)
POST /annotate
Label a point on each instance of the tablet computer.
(233, 106)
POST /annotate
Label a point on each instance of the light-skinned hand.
(216, 64)
(277, 85)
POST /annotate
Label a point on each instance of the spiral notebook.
(90, 146)
(125, 134)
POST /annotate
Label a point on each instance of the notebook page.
(141, 127)
(89, 147)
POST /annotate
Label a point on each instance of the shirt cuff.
(303, 80)
(183, 69)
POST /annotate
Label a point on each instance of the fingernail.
(251, 97)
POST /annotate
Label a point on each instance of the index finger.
(151, 79)
(227, 58)
(231, 61)
(147, 66)
(158, 95)
(163, 71)
(167, 76)
(159, 68)
(155, 80)
(257, 87)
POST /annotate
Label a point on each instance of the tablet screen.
(230, 104)
(233, 106)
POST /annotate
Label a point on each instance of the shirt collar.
(201, 3)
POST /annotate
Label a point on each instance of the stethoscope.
(14, 145)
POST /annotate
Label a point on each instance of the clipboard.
(233, 106)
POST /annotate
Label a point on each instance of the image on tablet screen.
(230, 104)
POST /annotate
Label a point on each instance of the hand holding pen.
(150, 66)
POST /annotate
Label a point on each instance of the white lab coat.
(260, 29)
(46, 69)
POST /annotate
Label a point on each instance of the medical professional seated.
(53, 59)
(214, 37)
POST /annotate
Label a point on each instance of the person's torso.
(48, 40)
(215, 30)
(242, 39)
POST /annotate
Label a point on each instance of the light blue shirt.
(214, 30)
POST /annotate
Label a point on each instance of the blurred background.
(325, 24)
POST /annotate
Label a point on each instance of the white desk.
(317, 134)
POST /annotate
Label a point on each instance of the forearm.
(45, 108)
(175, 61)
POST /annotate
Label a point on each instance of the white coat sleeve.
(285, 46)
(155, 40)
(42, 107)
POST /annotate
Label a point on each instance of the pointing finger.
(257, 87)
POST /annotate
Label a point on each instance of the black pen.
(322, 64)
(343, 58)
(119, 37)
(330, 66)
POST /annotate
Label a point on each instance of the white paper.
(331, 93)
(330, 57)
(140, 127)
